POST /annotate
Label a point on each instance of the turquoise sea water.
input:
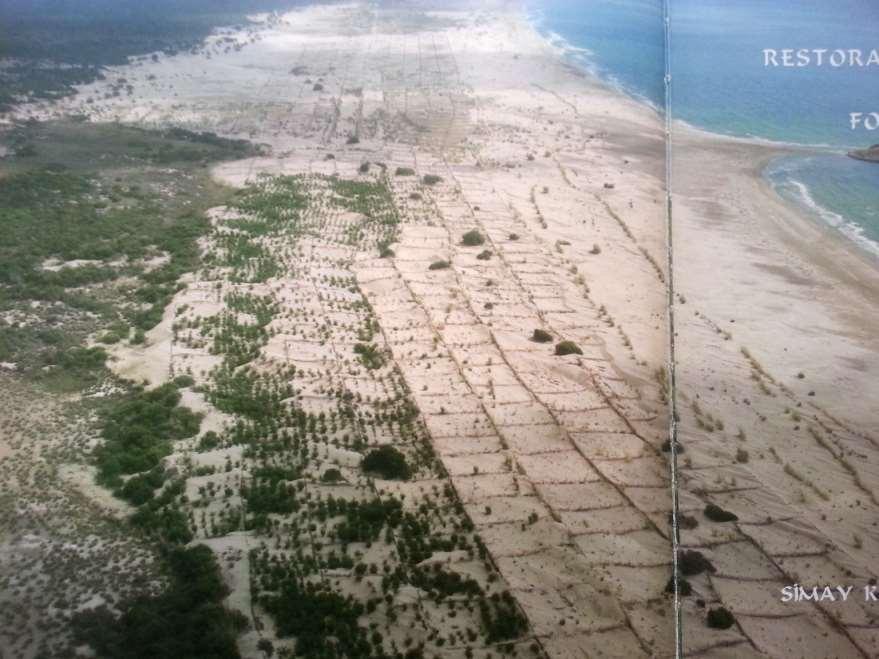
(720, 83)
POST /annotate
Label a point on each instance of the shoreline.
(567, 52)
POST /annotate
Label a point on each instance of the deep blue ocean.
(720, 83)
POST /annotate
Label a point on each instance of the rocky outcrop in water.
(870, 154)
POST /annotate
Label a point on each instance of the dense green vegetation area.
(311, 530)
(86, 35)
(138, 431)
(98, 224)
(186, 620)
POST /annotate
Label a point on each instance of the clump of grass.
(431, 179)
(404, 171)
(567, 348)
(439, 265)
(742, 456)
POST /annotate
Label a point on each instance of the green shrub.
(472, 238)
(370, 355)
(388, 462)
(684, 587)
(440, 265)
(484, 255)
(567, 348)
(720, 618)
(331, 475)
(209, 441)
(109, 338)
(692, 562)
(183, 381)
(717, 514)
(541, 336)
(404, 171)
(687, 522)
(431, 179)
(139, 489)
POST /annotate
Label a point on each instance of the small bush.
(388, 462)
(109, 338)
(514, 236)
(353, 139)
(472, 238)
(720, 618)
(440, 265)
(541, 336)
(718, 514)
(209, 441)
(318, 87)
(692, 562)
(684, 587)
(385, 252)
(183, 381)
(596, 249)
(687, 522)
(404, 171)
(742, 456)
(364, 168)
(484, 255)
(331, 475)
(431, 179)
(370, 355)
(567, 348)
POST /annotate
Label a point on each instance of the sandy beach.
(776, 350)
